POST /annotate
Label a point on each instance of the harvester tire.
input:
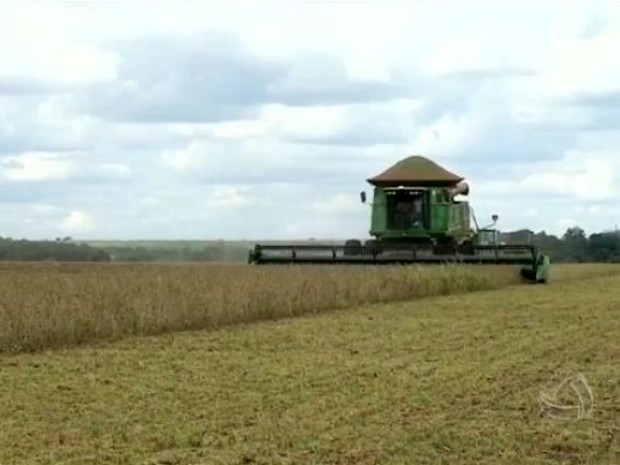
(467, 248)
(530, 276)
(527, 274)
(371, 247)
(353, 247)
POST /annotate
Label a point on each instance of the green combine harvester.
(415, 218)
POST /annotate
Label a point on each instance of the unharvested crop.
(51, 305)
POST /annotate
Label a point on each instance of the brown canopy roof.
(416, 170)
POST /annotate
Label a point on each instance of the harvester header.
(416, 218)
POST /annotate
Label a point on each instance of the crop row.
(50, 305)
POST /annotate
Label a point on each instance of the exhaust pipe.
(461, 188)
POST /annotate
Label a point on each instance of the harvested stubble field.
(445, 379)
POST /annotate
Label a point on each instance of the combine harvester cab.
(415, 218)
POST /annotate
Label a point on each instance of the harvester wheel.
(449, 248)
(467, 248)
(353, 247)
(530, 276)
(371, 247)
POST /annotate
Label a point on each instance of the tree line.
(67, 250)
(217, 252)
(573, 246)
(57, 250)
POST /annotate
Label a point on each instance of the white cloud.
(315, 121)
(583, 64)
(44, 51)
(448, 134)
(339, 204)
(583, 176)
(77, 222)
(116, 169)
(194, 156)
(36, 166)
(57, 63)
(224, 197)
(278, 122)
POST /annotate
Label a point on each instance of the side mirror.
(363, 196)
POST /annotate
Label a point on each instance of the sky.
(262, 120)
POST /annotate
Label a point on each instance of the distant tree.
(24, 250)
(575, 244)
(549, 244)
(604, 247)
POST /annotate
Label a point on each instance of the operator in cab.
(409, 213)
